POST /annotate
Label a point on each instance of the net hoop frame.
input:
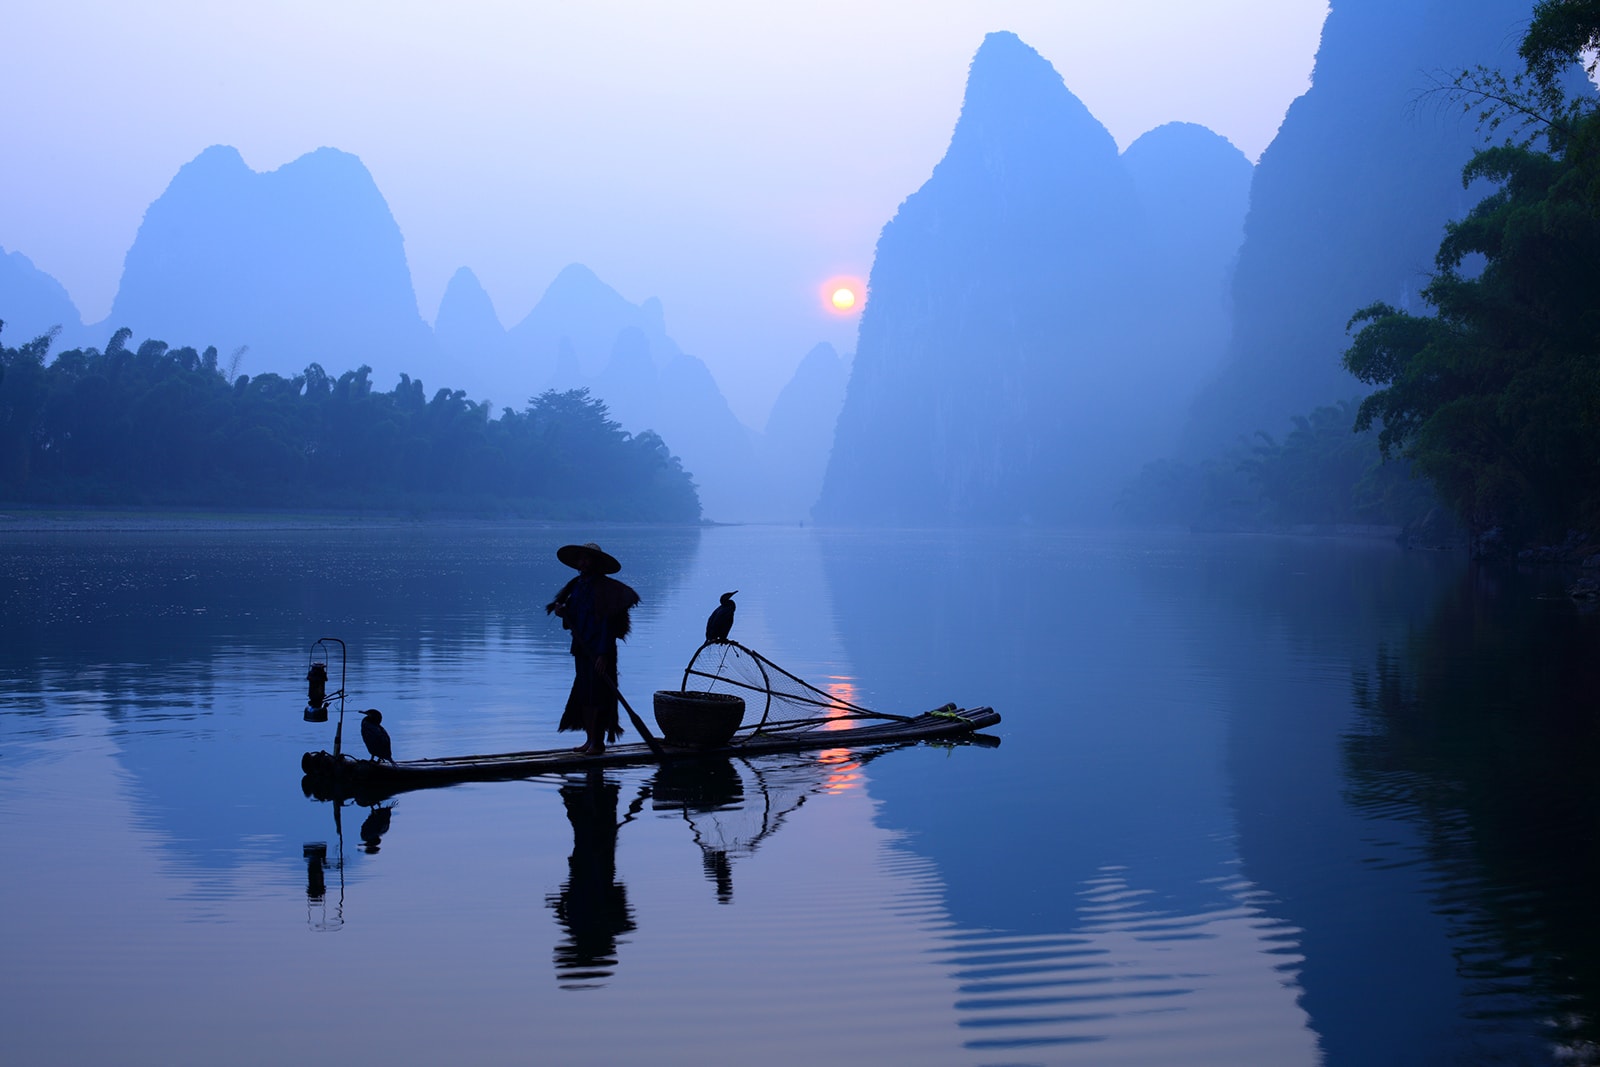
(812, 695)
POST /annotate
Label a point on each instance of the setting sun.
(843, 294)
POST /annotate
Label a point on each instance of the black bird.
(375, 737)
(721, 620)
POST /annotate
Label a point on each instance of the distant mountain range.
(1042, 310)
(32, 302)
(583, 334)
(1046, 313)
(1350, 201)
(306, 264)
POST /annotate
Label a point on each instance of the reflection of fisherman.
(592, 906)
(595, 608)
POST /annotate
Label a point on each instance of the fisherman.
(594, 606)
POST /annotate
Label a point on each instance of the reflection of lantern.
(321, 913)
(316, 857)
(317, 693)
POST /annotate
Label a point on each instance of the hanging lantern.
(317, 693)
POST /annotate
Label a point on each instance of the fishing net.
(785, 700)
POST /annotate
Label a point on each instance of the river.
(1255, 801)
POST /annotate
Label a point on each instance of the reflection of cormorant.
(721, 620)
(375, 737)
(374, 826)
(699, 788)
(592, 906)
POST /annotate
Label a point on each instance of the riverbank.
(23, 519)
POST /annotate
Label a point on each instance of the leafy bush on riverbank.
(165, 426)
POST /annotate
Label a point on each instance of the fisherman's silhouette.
(592, 906)
(375, 737)
(720, 624)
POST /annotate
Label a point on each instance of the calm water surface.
(1256, 801)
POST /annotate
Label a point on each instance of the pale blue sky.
(726, 156)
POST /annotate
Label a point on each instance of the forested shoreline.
(1484, 414)
(157, 426)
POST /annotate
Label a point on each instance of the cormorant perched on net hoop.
(375, 737)
(721, 620)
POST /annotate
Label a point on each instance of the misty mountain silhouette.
(1025, 344)
(1350, 200)
(799, 434)
(32, 302)
(583, 334)
(1194, 186)
(304, 263)
(470, 335)
(587, 314)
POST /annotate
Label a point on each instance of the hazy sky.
(727, 156)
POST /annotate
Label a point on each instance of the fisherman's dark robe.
(595, 608)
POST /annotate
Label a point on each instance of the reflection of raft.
(329, 776)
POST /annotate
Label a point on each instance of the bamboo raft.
(328, 776)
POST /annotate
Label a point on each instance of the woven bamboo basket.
(698, 720)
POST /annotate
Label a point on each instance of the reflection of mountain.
(1175, 710)
(1479, 734)
(1422, 851)
(1377, 979)
(1137, 773)
(193, 644)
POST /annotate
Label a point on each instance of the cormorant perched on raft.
(721, 620)
(375, 737)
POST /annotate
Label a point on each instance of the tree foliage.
(1496, 396)
(1320, 474)
(158, 425)
(1563, 32)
